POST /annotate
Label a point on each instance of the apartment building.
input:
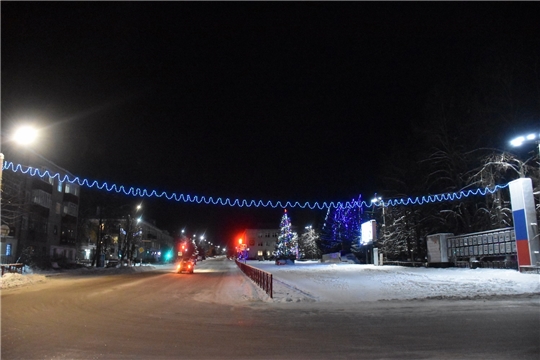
(39, 213)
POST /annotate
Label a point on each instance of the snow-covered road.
(347, 283)
(319, 311)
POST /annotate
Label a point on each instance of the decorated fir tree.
(286, 246)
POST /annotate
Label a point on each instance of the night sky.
(273, 101)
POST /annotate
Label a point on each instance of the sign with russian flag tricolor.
(524, 214)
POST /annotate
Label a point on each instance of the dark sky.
(272, 101)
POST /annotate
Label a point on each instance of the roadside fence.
(260, 277)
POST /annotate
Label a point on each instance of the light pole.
(24, 136)
(379, 201)
(524, 211)
(127, 250)
(527, 139)
(1, 168)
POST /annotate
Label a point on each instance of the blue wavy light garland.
(8, 165)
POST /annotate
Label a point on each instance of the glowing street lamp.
(379, 202)
(531, 138)
(25, 135)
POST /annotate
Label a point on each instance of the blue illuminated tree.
(341, 229)
(286, 246)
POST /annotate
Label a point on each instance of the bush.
(35, 260)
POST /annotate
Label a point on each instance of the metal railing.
(260, 277)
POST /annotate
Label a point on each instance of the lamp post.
(524, 212)
(533, 138)
(379, 202)
(1, 168)
(127, 251)
(24, 136)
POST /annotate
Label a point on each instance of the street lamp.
(25, 135)
(129, 242)
(531, 138)
(379, 202)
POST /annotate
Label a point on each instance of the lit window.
(60, 186)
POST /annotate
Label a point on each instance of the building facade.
(39, 213)
(143, 239)
(260, 243)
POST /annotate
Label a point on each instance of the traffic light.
(240, 241)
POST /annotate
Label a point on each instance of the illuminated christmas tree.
(286, 246)
(341, 230)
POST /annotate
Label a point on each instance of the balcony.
(70, 209)
(41, 198)
(71, 189)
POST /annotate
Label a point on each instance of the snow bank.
(29, 277)
(10, 280)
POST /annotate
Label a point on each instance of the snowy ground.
(349, 283)
(29, 277)
(342, 283)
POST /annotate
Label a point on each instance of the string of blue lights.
(137, 192)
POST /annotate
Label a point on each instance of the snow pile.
(10, 280)
(344, 283)
(29, 277)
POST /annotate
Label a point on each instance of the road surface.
(164, 315)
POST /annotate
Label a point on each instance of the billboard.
(369, 232)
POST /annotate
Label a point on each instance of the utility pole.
(97, 255)
(128, 240)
